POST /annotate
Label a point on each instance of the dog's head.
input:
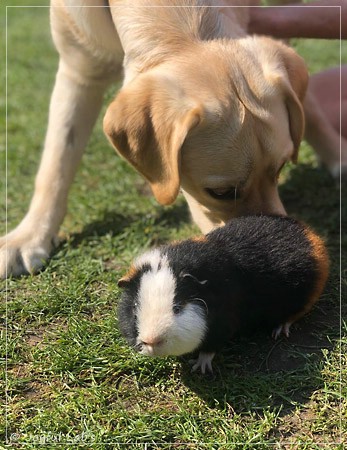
(220, 121)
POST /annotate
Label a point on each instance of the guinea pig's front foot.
(203, 362)
(283, 328)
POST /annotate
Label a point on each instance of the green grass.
(72, 381)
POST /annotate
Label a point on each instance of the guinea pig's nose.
(150, 346)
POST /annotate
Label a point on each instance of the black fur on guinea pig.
(197, 293)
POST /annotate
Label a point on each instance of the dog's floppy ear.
(148, 123)
(289, 70)
(298, 79)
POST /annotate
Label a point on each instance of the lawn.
(71, 381)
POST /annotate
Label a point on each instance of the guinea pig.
(197, 293)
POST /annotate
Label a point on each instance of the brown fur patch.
(200, 239)
(320, 254)
(321, 257)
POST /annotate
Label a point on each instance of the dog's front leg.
(73, 110)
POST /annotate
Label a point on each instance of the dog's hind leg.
(75, 103)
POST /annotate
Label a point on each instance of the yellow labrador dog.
(204, 108)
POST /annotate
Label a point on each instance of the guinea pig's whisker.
(202, 301)
(188, 275)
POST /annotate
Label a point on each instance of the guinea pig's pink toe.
(286, 329)
(203, 362)
(276, 332)
(283, 328)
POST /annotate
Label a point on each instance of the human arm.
(318, 19)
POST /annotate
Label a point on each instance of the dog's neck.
(151, 34)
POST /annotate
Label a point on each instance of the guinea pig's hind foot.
(203, 362)
(283, 328)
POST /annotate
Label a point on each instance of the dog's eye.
(231, 193)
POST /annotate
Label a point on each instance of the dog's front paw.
(22, 254)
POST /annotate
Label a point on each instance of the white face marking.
(153, 257)
(163, 331)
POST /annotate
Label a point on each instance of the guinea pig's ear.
(123, 282)
(188, 275)
(127, 278)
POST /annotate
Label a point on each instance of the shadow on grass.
(113, 222)
(312, 195)
(256, 373)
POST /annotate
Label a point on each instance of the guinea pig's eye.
(230, 193)
(177, 309)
